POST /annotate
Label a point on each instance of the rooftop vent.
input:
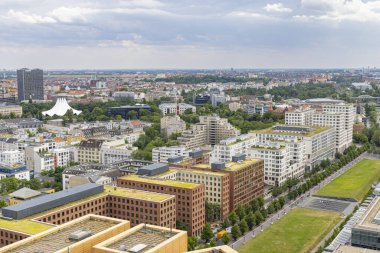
(137, 248)
(122, 247)
(218, 166)
(80, 234)
(239, 157)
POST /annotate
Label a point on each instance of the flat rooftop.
(367, 220)
(136, 194)
(58, 238)
(313, 131)
(165, 182)
(25, 226)
(230, 166)
(149, 236)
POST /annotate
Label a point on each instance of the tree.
(226, 239)
(259, 217)
(226, 223)
(233, 218)
(235, 232)
(3, 204)
(282, 201)
(240, 211)
(192, 242)
(376, 137)
(251, 220)
(207, 233)
(213, 243)
(243, 226)
(270, 208)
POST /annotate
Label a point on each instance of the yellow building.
(77, 236)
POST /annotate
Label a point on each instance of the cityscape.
(144, 126)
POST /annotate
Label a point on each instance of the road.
(290, 205)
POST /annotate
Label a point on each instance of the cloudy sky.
(75, 34)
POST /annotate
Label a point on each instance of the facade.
(235, 146)
(282, 160)
(172, 125)
(90, 151)
(10, 109)
(63, 156)
(365, 233)
(18, 171)
(218, 129)
(195, 137)
(190, 198)
(161, 154)
(30, 84)
(319, 141)
(115, 151)
(12, 157)
(176, 108)
(246, 179)
(327, 112)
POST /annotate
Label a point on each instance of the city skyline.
(152, 34)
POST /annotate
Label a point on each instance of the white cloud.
(277, 7)
(28, 18)
(341, 10)
(69, 15)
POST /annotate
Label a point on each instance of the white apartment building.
(133, 137)
(218, 129)
(32, 153)
(7, 144)
(175, 108)
(63, 156)
(115, 151)
(319, 141)
(282, 160)
(172, 125)
(12, 157)
(195, 137)
(161, 154)
(327, 112)
(234, 146)
(43, 162)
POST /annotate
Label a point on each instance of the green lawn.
(355, 183)
(298, 231)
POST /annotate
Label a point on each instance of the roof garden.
(165, 182)
(25, 226)
(313, 130)
(136, 194)
(234, 166)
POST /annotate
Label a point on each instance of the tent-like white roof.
(60, 108)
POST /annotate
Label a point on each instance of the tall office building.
(30, 84)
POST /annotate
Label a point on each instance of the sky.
(207, 34)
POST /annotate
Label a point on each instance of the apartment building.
(282, 160)
(162, 154)
(18, 171)
(90, 151)
(7, 109)
(175, 108)
(218, 129)
(12, 157)
(172, 125)
(63, 156)
(319, 141)
(327, 112)
(234, 146)
(195, 137)
(115, 151)
(7, 144)
(190, 197)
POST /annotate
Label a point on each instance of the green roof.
(166, 182)
(234, 166)
(25, 226)
(316, 130)
(136, 194)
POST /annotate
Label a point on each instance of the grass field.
(354, 183)
(297, 232)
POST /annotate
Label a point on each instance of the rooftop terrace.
(313, 131)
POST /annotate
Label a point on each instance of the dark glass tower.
(30, 84)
